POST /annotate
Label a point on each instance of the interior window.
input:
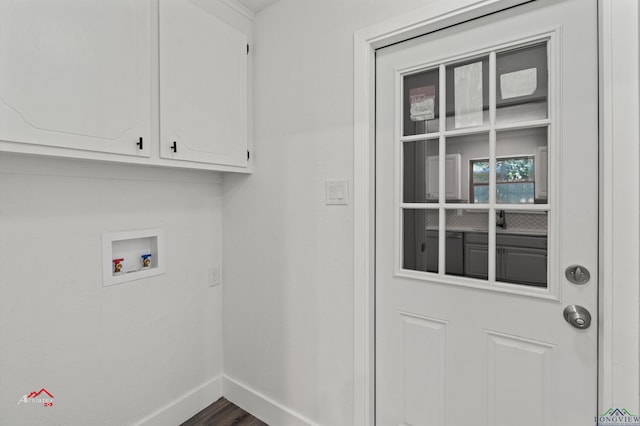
(515, 183)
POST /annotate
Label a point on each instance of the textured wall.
(109, 355)
(289, 266)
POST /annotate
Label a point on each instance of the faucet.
(501, 220)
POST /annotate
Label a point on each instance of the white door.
(471, 330)
(76, 74)
(203, 86)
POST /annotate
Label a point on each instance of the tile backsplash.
(534, 221)
(517, 221)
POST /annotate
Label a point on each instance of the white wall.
(288, 291)
(109, 355)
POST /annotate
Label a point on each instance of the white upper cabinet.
(76, 74)
(542, 172)
(452, 185)
(203, 86)
(151, 82)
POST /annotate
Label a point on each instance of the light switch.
(214, 276)
(337, 192)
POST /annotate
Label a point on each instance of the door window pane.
(468, 93)
(480, 181)
(521, 247)
(514, 193)
(521, 166)
(420, 171)
(460, 150)
(421, 103)
(522, 81)
(517, 172)
(475, 224)
(420, 240)
(514, 180)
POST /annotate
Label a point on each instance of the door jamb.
(619, 294)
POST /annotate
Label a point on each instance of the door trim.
(619, 291)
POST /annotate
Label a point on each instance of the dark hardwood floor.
(223, 413)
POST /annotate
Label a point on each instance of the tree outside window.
(515, 183)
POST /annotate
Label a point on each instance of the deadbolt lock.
(577, 274)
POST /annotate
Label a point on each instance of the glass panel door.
(475, 147)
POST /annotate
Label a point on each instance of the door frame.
(619, 210)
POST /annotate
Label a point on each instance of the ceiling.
(257, 5)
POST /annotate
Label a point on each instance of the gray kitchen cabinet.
(432, 250)
(476, 261)
(520, 259)
(522, 266)
(454, 252)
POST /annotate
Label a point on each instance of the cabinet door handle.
(139, 143)
(174, 147)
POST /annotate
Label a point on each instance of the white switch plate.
(214, 276)
(337, 192)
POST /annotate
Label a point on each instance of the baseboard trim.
(261, 406)
(181, 409)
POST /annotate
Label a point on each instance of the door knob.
(577, 316)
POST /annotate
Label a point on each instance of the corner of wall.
(186, 406)
(262, 406)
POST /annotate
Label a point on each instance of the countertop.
(514, 231)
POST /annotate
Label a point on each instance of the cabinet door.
(454, 252)
(76, 74)
(433, 177)
(452, 182)
(432, 249)
(203, 86)
(523, 265)
(452, 176)
(541, 166)
(475, 260)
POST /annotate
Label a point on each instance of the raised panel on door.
(424, 369)
(76, 74)
(203, 86)
(522, 367)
